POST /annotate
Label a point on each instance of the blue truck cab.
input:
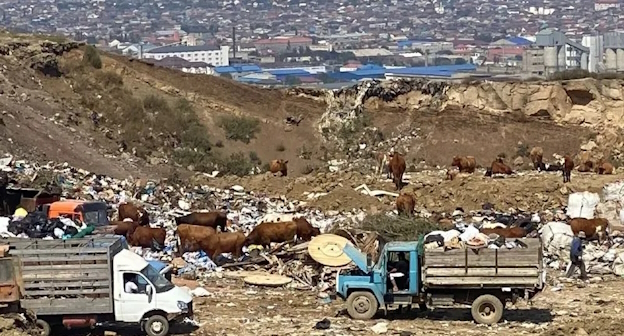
(484, 279)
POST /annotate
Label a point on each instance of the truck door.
(133, 301)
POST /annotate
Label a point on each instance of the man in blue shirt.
(576, 256)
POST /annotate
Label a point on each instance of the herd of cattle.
(207, 231)
(394, 165)
(593, 228)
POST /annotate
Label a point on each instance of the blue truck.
(486, 279)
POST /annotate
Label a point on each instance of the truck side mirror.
(149, 291)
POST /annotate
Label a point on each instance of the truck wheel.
(43, 328)
(156, 325)
(487, 309)
(362, 305)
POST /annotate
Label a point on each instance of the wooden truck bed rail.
(483, 268)
(66, 277)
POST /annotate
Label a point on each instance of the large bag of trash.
(618, 265)
(557, 238)
(613, 191)
(582, 205)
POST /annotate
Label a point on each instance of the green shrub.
(253, 156)
(402, 228)
(239, 128)
(92, 57)
(108, 79)
(237, 164)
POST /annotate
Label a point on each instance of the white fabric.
(396, 275)
(470, 233)
(582, 204)
(447, 235)
(4, 224)
(493, 225)
(131, 287)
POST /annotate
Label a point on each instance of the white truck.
(81, 283)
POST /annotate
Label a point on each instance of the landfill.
(164, 202)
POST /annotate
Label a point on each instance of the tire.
(156, 325)
(362, 305)
(43, 328)
(487, 309)
(422, 307)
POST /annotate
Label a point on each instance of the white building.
(596, 52)
(204, 53)
(602, 5)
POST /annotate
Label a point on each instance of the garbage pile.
(38, 225)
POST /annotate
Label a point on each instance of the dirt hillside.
(125, 117)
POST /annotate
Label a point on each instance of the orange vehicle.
(90, 213)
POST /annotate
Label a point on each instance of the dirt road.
(237, 309)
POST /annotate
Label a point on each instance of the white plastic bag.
(557, 238)
(582, 205)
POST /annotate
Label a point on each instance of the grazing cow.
(267, 233)
(279, 166)
(146, 236)
(586, 166)
(537, 155)
(397, 168)
(305, 230)
(568, 165)
(603, 168)
(213, 219)
(498, 167)
(405, 204)
(137, 214)
(190, 236)
(510, 232)
(122, 227)
(591, 227)
(224, 242)
(466, 164)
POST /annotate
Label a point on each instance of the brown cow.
(383, 164)
(266, 233)
(603, 168)
(499, 167)
(537, 157)
(586, 166)
(190, 236)
(397, 168)
(466, 164)
(137, 214)
(279, 166)
(146, 236)
(568, 165)
(305, 230)
(213, 219)
(405, 204)
(509, 232)
(591, 227)
(122, 228)
(224, 242)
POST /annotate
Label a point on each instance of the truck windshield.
(97, 218)
(161, 284)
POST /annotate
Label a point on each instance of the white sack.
(582, 205)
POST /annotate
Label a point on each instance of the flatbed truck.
(483, 278)
(80, 283)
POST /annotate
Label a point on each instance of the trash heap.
(164, 202)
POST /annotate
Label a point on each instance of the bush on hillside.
(92, 57)
(239, 128)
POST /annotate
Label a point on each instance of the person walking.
(576, 256)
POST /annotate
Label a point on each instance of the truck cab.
(157, 301)
(90, 213)
(485, 278)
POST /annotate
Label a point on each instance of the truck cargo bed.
(66, 277)
(482, 268)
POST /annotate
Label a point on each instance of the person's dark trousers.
(577, 262)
